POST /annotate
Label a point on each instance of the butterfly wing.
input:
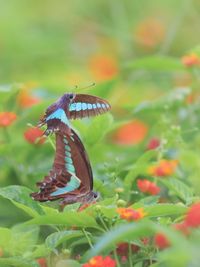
(71, 106)
(71, 174)
(84, 105)
(56, 117)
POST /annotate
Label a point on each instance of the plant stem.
(130, 255)
(116, 258)
(87, 237)
(52, 143)
(102, 221)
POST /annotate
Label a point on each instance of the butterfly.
(71, 177)
(71, 106)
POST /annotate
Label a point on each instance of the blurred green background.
(52, 42)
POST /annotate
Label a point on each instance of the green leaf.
(72, 207)
(164, 210)
(180, 189)
(40, 251)
(68, 218)
(68, 263)
(20, 197)
(23, 240)
(17, 261)
(122, 233)
(133, 231)
(156, 63)
(98, 127)
(56, 239)
(5, 236)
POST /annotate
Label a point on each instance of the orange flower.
(34, 135)
(130, 214)
(99, 261)
(131, 133)
(153, 143)
(191, 60)
(103, 67)
(150, 32)
(42, 262)
(7, 118)
(192, 218)
(161, 241)
(26, 100)
(146, 186)
(163, 168)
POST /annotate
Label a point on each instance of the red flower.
(103, 67)
(123, 249)
(7, 118)
(191, 60)
(163, 168)
(99, 261)
(153, 143)
(192, 218)
(34, 135)
(131, 133)
(130, 214)
(182, 227)
(42, 262)
(161, 241)
(146, 186)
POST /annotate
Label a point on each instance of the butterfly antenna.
(86, 87)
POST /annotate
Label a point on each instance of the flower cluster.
(191, 60)
(163, 168)
(26, 100)
(131, 133)
(130, 214)
(150, 32)
(99, 261)
(161, 241)
(145, 186)
(42, 262)
(103, 67)
(7, 118)
(153, 143)
(34, 135)
(192, 220)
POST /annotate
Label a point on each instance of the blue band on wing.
(84, 106)
(60, 115)
(73, 184)
(70, 168)
(68, 157)
(89, 106)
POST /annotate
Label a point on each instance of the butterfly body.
(71, 106)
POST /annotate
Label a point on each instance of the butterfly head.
(91, 197)
(68, 98)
